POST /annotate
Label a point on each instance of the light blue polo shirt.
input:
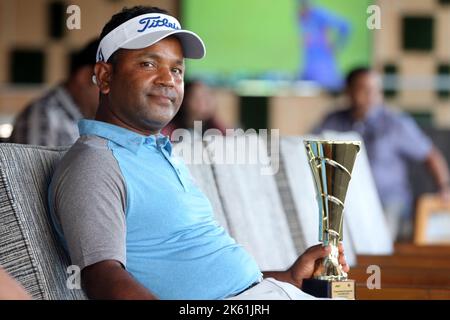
(120, 195)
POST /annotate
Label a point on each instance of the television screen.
(315, 40)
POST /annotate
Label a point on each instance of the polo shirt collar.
(123, 137)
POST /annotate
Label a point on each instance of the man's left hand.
(304, 266)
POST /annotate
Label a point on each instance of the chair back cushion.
(251, 201)
(29, 249)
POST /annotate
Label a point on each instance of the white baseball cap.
(144, 30)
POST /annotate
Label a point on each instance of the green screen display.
(263, 38)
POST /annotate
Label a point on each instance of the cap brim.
(193, 47)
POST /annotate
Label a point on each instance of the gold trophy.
(331, 163)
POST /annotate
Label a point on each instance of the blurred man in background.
(52, 119)
(391, 140)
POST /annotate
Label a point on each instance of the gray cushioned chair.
(29, 249)
(251, 202)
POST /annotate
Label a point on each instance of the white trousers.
(271, 289)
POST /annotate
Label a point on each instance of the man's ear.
(103, 74)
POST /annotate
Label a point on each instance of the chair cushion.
(29, 249)
(251, 201)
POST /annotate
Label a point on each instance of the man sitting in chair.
(129, 215)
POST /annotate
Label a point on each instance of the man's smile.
(161, 99)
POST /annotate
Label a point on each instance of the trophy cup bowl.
(331, 163)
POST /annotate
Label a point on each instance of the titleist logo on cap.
(145, 30)
(155, 22)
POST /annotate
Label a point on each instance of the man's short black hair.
(84, 57)
(125, 15)
(355, 73)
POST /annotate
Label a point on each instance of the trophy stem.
(329, 268)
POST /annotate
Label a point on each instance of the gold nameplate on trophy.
(331, 163)
(343, 289)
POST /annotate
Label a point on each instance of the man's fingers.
(320, 251)
(343, 262)
(313, 248)
(342, 259)
(317, 252)
(341, 248)
(345, 268)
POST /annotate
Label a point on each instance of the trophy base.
(330, 289)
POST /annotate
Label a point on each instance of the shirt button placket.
(177, 170)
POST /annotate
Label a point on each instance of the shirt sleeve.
(89, 203)
(413, 143)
